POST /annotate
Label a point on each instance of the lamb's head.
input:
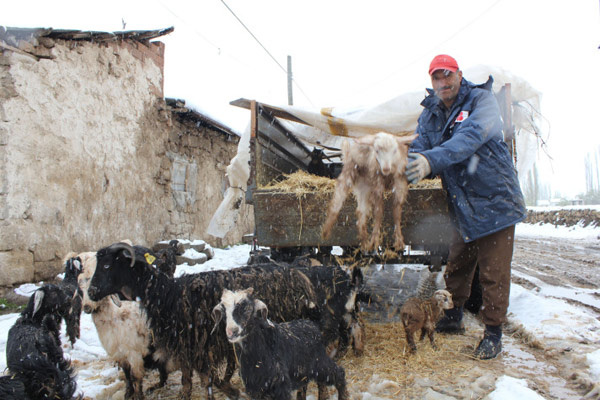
(240, 309)
(444, 299)
(391, 151)
(114, 272)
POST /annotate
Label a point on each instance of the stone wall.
(90, 154)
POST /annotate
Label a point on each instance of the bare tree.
(592, 171)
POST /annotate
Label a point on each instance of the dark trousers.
(493, 254)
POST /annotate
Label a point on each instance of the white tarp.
(330, 126)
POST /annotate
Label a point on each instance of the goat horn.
(126, 247)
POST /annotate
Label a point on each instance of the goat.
(336, 291)
(72, 265)
(179, 310)
(372, 165)
(33, 350)
(166, 260)
(276, 358)
(417, 314)
(124, 333)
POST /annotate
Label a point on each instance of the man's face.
(446, 85)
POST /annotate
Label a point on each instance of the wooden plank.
(276, 111)
(286, 220)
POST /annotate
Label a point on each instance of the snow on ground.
(538, 311)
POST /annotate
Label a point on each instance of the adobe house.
(91, 152)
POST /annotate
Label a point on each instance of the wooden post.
(289, 81)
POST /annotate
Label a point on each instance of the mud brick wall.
(90, 154)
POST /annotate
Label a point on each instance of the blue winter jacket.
(468, 151)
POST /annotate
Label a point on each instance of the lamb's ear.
(249, 290)
(367, 139)
(217, 315)
(406, 140)
(38, 298)
(261, 309)
(115, 299)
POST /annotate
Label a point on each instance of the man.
(460, 138)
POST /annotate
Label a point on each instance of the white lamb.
(372, 165)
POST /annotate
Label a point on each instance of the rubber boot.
(491, 344)
(451, 322)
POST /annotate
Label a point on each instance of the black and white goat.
(33, 350)
(124, 332)
(179, 310)
(276, 359)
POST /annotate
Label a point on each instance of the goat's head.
(443, 299)
(390, 151)
(239, 308)
(48, 299)
(114, 272)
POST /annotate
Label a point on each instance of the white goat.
(372, 165)
(124, 332)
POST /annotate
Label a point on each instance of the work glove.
(418, 167)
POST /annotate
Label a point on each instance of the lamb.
(179, 310)
(372, 165)
(276, 358)
(417, 314)
(34, 354)
(124, 333)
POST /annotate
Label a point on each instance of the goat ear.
(38, 298)
(217, 315)
(261, 309)
(406, 140)
(367, 139)
(115, 299)
(249, 291)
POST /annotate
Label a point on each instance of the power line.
(267, 51)
(255, 38)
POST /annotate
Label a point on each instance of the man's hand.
(418, 167)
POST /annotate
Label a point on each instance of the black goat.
(166, 260)
(33, 351)
(179, 310)
(68, 285)
(276, 359)
(336, 291)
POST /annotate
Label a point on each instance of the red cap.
(443, 61)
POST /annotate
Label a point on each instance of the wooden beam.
(276, 111)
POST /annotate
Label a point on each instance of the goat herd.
(146, 318)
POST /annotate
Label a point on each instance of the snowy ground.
(564, 317)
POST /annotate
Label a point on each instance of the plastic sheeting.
(330, 126)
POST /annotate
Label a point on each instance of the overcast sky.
(355, 53)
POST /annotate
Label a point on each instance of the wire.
(255, 38)
(267, 51)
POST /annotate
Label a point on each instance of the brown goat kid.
(372, 165)
(417, 314)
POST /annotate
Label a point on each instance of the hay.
(301, 182)
(388, 365)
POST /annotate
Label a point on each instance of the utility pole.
(289, 81)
